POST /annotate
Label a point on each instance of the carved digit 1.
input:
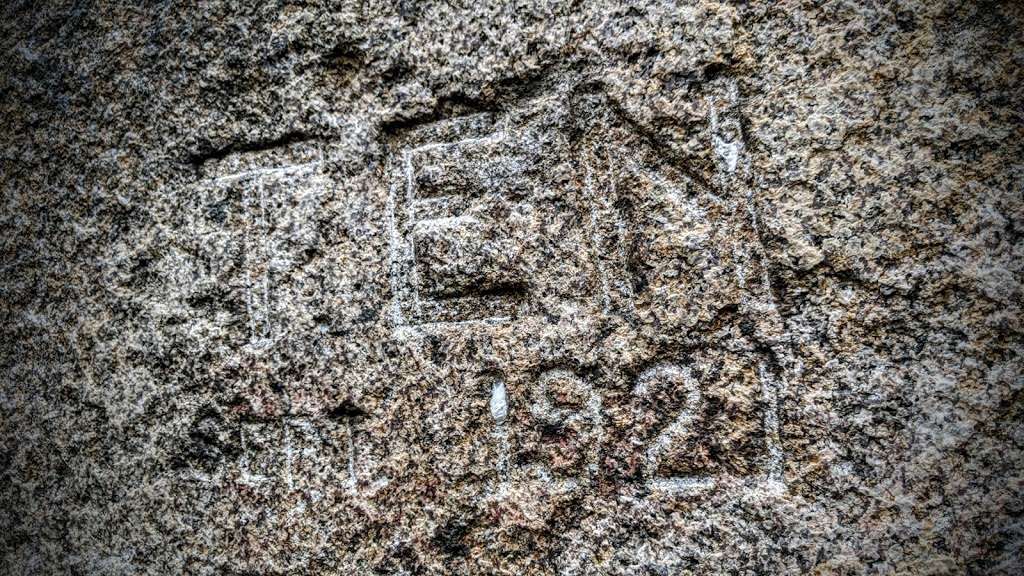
(499, 411)
(677, 377)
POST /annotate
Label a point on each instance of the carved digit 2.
(679, 377)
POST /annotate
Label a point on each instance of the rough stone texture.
(548, 287)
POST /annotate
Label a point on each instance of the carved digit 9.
(669, 376)
(545, 411)
(543, 408)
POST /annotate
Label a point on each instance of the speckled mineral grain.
(549, 287)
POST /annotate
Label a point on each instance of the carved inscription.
(555, 217)
(260, 211)
(682, 432)
(478, 230)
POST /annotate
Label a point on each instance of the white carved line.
(620, 227)
(543, 476)
(413, 330)
(482, 140)
(433, 224)
(681, 484)
(394, 260)
(594, 238)
(264, 229)
(289, 455)
(499, 402)
(770, 391)
(411, 246)
(499, 412)
(352, 482)
(728, 152)
(275, 171)
(256, 254)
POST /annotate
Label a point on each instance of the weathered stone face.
(397, 287)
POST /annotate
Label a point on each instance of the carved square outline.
(731, 169)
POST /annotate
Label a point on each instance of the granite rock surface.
(520, 287)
